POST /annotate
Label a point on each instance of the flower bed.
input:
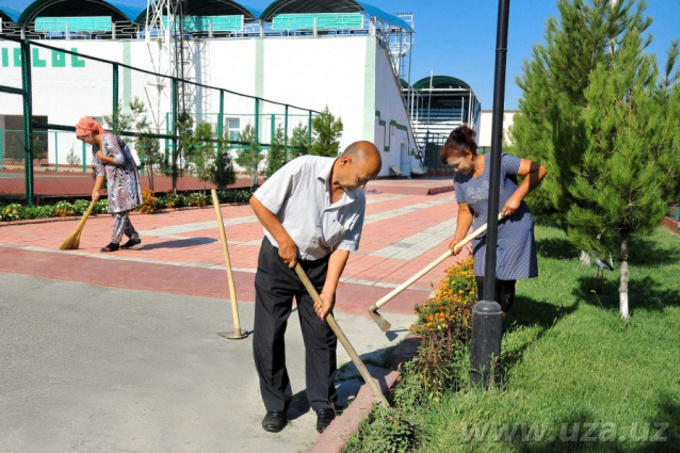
(444, 326)
(150, 204)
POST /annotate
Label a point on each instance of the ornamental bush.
(10, 212)
(444, 326)
(198, 199)
(148, 202)
(63, 209)
(451, 307)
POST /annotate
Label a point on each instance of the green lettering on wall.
(17, 57)
(58, 59)
(5, 57)
(37, 62)
(75, 61)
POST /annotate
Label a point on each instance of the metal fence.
(45, 90)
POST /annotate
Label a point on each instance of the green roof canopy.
(309, 6)
(440, 81)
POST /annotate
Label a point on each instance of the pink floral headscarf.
(87, 126)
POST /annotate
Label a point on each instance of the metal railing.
(41, 107)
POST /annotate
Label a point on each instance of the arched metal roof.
(221, 7)
(22, 11)
(214, 8)
(309, 6)
(330, 6)
(384, 16)
(8, 13)
(117, 9)
(440, 81)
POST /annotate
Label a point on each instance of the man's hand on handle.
(328, 302)
(288, 252)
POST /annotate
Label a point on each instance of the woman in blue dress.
(516, 251)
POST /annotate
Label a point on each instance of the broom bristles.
(73, 241)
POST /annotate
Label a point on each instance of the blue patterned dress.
(516, 253)
(122, 179)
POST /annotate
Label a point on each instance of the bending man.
(312, 211)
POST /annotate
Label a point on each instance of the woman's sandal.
(110, 247)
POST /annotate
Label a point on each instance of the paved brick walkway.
(405, 229)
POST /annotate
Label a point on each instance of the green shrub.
(37, 212)
(101, 207)
(198, 199)
(159, 203)
(80, 206)
(10, 212)
(172, 200)
(388, 430)
(234, 196)
(63, 209)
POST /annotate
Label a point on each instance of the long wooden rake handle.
(375, 389)
(427, 269)
(227, 261)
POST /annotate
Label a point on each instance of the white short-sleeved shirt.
(299, 195)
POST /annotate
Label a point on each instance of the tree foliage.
(550, 128)
(327, 131)
(221, 170)
(249, 156)
(200, 150)
(598, 113)
(299, 141)
(278, 155)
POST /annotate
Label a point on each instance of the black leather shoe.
(131, 243)
(274, 421)
(110, 247)
(324, 417)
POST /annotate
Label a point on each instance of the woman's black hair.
(460, 140)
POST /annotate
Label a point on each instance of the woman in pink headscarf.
(113, 162)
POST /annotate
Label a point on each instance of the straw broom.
(73, 241)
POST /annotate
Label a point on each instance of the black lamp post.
(487, 317)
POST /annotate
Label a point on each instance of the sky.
(458, 38)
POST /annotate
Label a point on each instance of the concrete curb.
(335, 437)
(671, 225)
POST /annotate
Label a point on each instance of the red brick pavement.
(192, 262)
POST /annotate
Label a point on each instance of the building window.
(234, 128)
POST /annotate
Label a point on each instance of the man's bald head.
(359, 163)
(365, 154)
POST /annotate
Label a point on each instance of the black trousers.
(275, 287)
(504, 292)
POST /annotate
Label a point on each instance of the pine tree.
(549, 128)
(597, 114)
(200, 150)
(277, 156)
(327, 132)
(299, 141)
(631, 162)
(221, 171)
(249, 156)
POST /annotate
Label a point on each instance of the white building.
(346, 55)
(484, 137)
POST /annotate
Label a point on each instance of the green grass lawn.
(577, 378)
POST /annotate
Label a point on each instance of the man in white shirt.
(312, 211)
